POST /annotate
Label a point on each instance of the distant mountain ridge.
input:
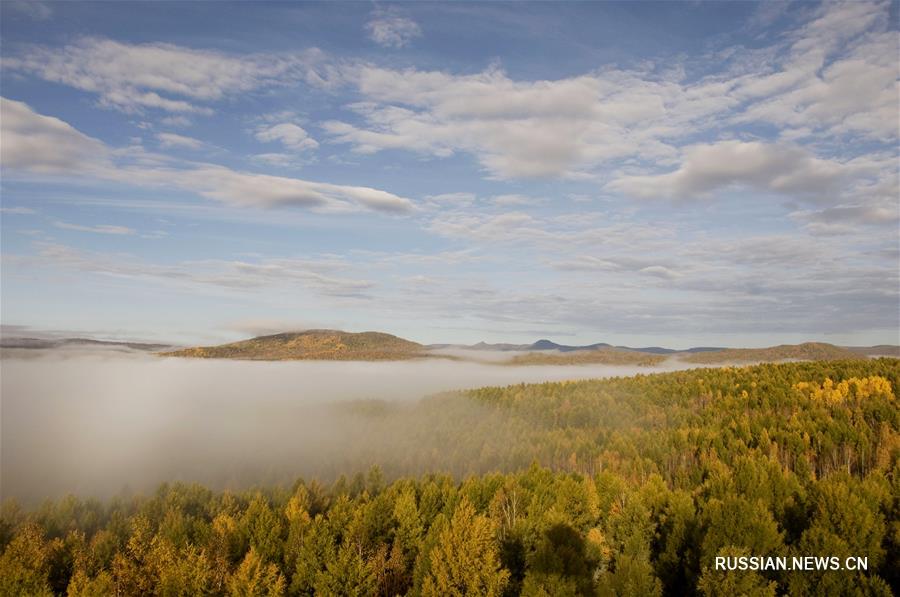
(545, 344)
(379, 346)
(881, 350)
(338, 345)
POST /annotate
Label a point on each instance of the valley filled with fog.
(95, 422)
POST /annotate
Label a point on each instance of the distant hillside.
(549, 345)
(600, 356)
(808, 351)
(660, 350)
(882, 350)
(545, 344)
(325, 345)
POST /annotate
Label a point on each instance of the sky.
(639, 173)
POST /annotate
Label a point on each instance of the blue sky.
(638, 173)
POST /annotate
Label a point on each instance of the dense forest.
(625, 486)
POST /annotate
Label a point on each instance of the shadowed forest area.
(623, 486)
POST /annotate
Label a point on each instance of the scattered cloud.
(34, 9)
(835, 76)
(391, 30)
(279, 160)
(842, 220)
(155, 234)
(159, 76)
(98, 229)
(170, 140)
(290, 135)
(572, 231)
(618, 263)
(660, 272)
(44, 144)
(246, 189)
(866, 214)
(516, 129)
(514, 200)
(36, 143)
(240, 276)
(765, 167)
(175, 121)
(444, 200)
(505, 227)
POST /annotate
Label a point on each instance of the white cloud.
(99, 229)
(175, 121)
(506, 227)
(650, 266)
(514, 199)
(173, 140)
(850, 219)
(290, 135)
(444, 200)
(573, 231)
(391, 30)
(839, 76)
(44, 144)
(155, 234)
(35, 9)
(868, 214)
(660, 272)
(280, 160)
(246, 189)
(135, 77)
(20, 211)
(767, 167)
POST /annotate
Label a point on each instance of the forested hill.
(311, 345)
(626, 486)
(808, 351)
(597, 356)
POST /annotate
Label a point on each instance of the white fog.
(95, 422)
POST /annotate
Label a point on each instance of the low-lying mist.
(95, 423)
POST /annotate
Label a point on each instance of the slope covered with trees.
(808, 351)
(628, 486)
(598, 356)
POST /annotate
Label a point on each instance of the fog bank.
(94, 422)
